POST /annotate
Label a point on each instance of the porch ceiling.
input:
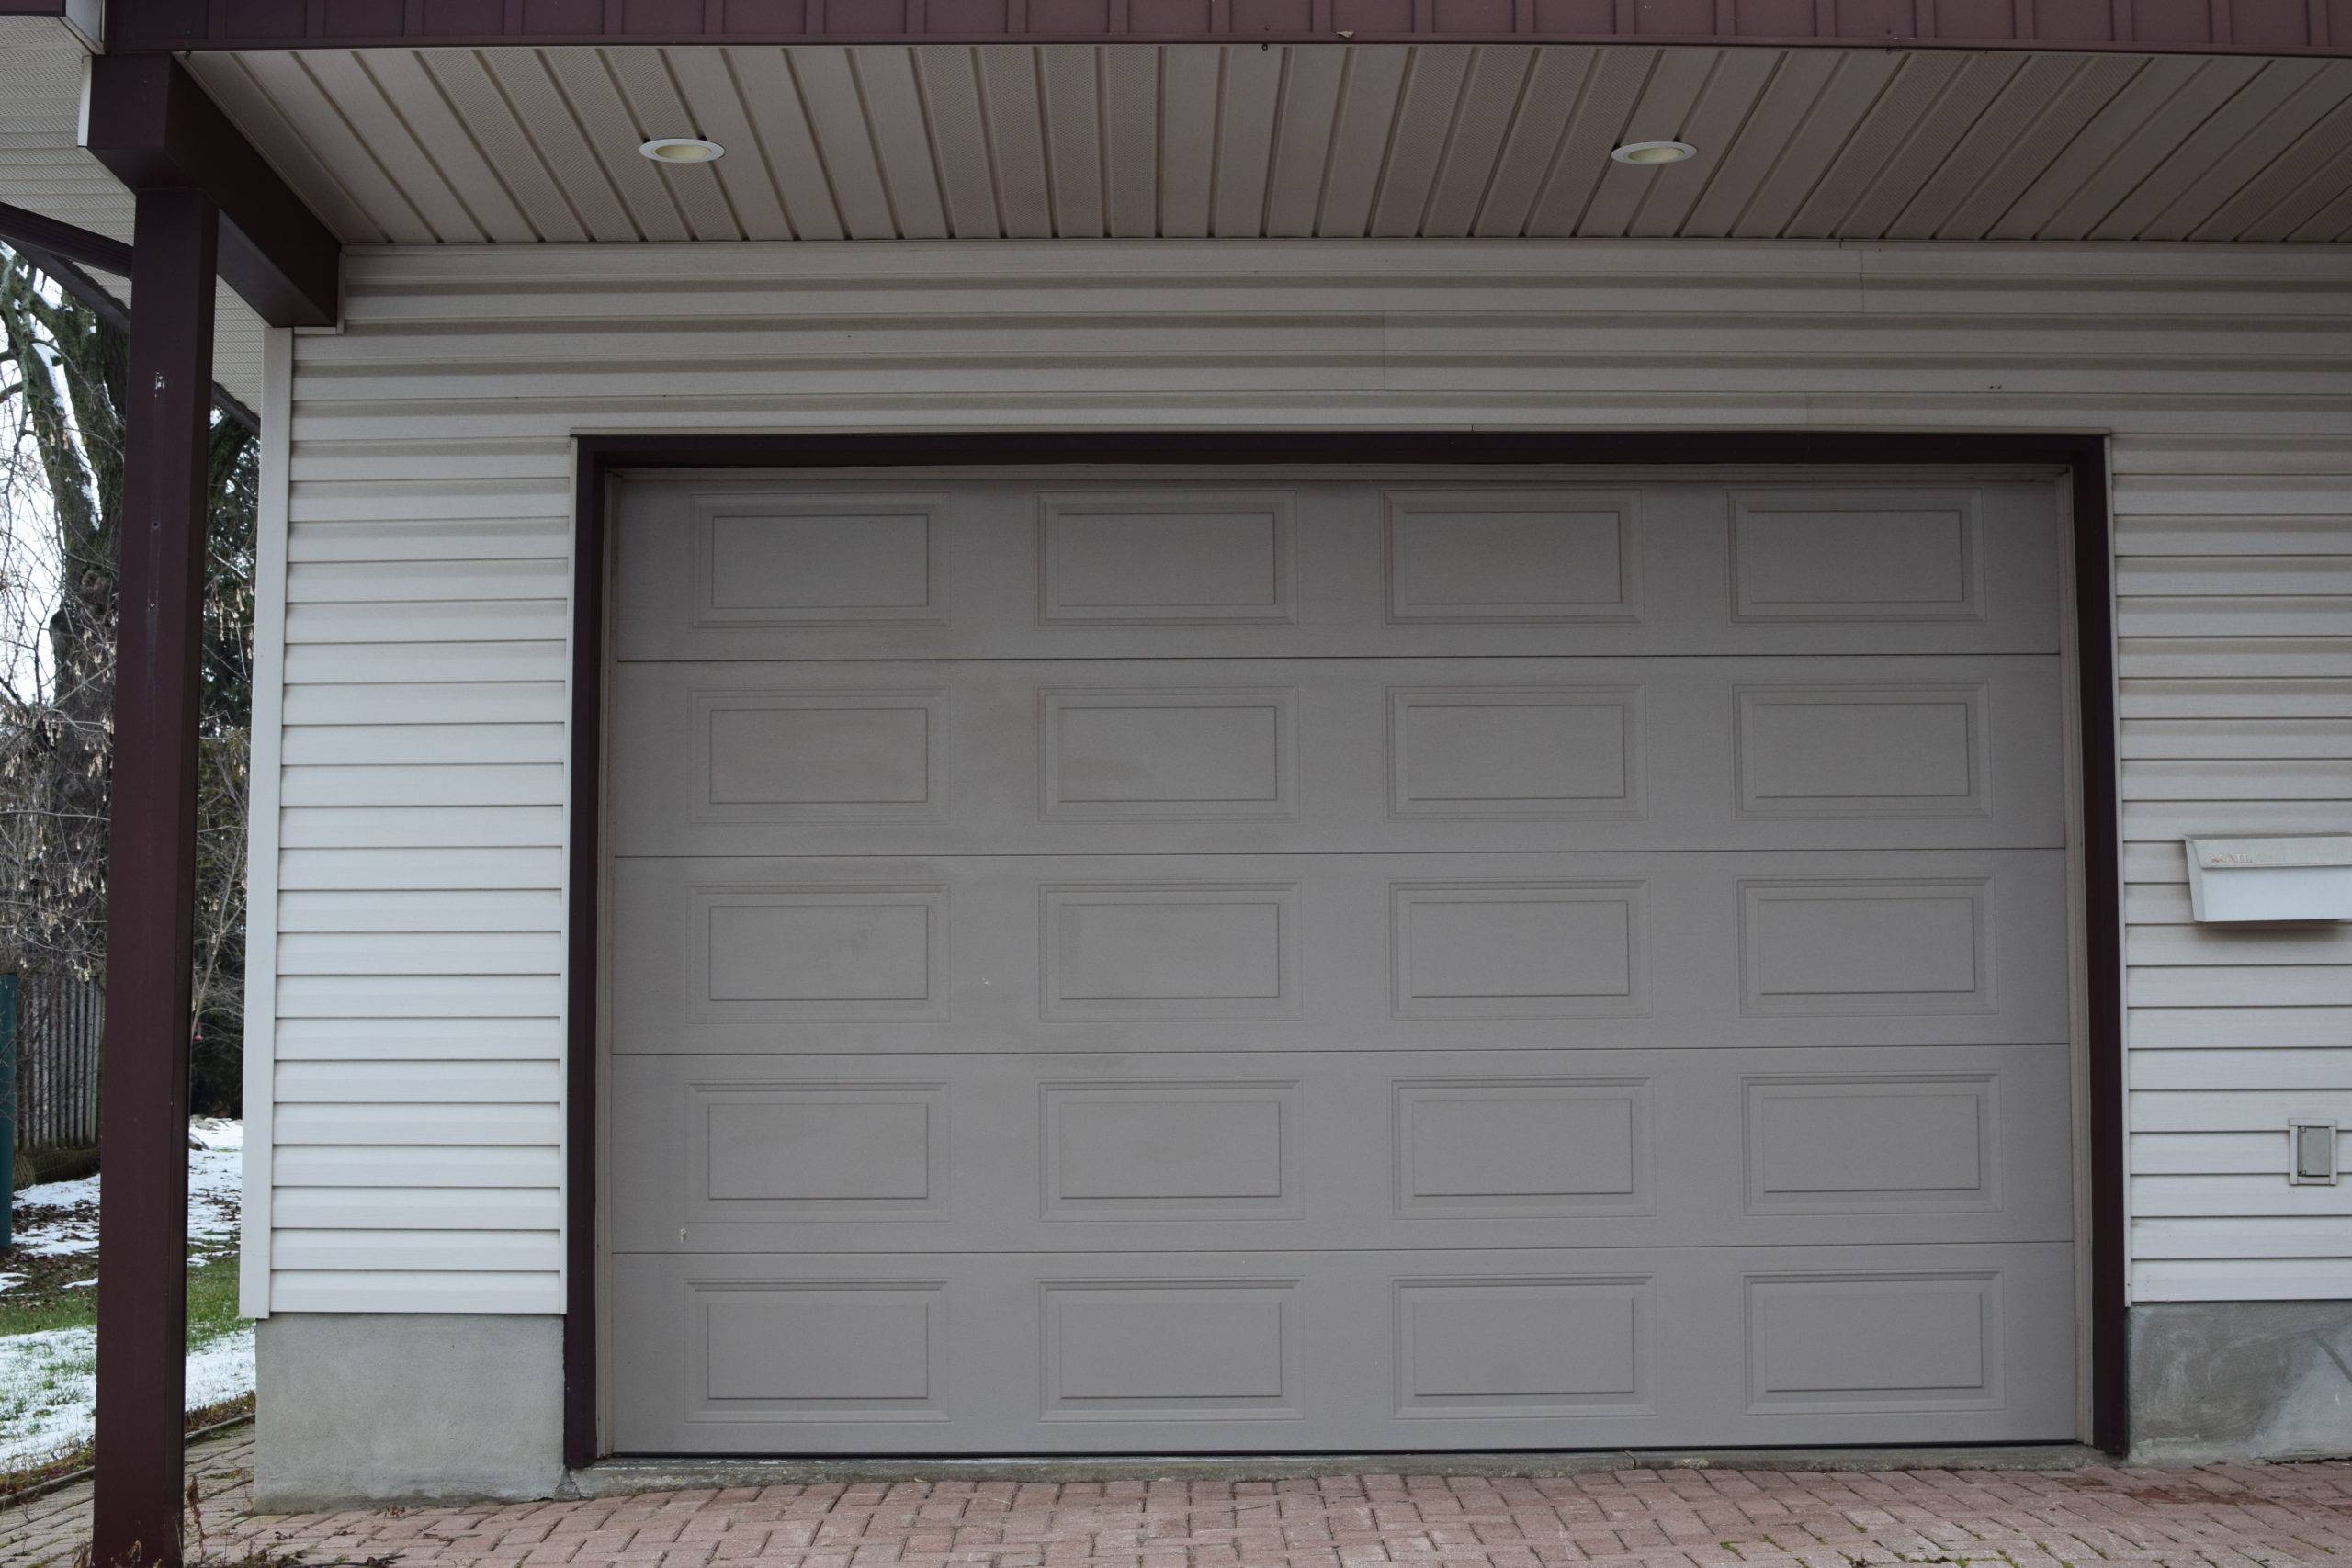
(1131, 139)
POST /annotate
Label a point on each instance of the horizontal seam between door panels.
(1296, 658)
(1519, 853)
(1359, 1050)
(1315, 1251)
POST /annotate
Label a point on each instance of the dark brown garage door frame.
(2083, 456)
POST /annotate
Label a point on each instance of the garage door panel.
(1338, 953)
(1360, 755)
(1176, 1351)
(1326, 960)
(780, 569)
(1237, 1152)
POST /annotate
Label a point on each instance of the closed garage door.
(1194, 962)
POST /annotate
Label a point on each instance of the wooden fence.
(59, 1023)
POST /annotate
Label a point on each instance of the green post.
(7, 1111)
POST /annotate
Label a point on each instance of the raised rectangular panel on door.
(1854, 1142)
(1514, 949)
(1891, 556)
(1520, 1147)
(1546, 751)
(789, 757)
(1194, 1148)
(1863, 748)
(1166, 558)
(1334, 960)
(1882, 945)
(1576, 1345)
(830, 1351)
(816, 954)
(1175, 951)
(1162, 754)
(1535, 557)
(1822, 1341)
(818, 1150)
(783, 562)
(1171, 1349)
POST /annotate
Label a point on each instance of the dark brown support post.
(208, 205)
(151, 889)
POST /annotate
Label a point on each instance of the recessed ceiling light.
(682, 150)
(1647, 153)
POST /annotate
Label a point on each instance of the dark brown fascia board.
(2172, 27)
(32, 7)
(157, 129)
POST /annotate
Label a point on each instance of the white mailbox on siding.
(2306, 878)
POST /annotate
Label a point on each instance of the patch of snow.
(47, 1390)
(222, 1369)
(59, 1219)
(71, 1233)
(59, 1194)
(217, 1132)
(48, 1385)
(216, 1178)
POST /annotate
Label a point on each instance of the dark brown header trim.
(2085, 456)
(155, 129)
(2260, 27)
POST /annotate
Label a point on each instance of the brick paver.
(52, 1529)
(2219, 1516)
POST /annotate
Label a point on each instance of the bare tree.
(61, 408)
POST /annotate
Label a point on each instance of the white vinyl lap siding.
(417, 1136)
(417, 1121)
(2234, 576)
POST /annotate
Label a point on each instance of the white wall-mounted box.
(2306, 878)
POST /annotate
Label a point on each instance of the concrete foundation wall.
(377, 1408)
(2241, 1379)
(381, 1408)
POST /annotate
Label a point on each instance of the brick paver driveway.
(2224, 1516)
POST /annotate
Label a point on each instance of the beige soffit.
(936, 142)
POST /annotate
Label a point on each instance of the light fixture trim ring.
(682, 150)
(1654, 154)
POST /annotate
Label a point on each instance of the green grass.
(60, 1309)
(211, 1303)
(211, 1300)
